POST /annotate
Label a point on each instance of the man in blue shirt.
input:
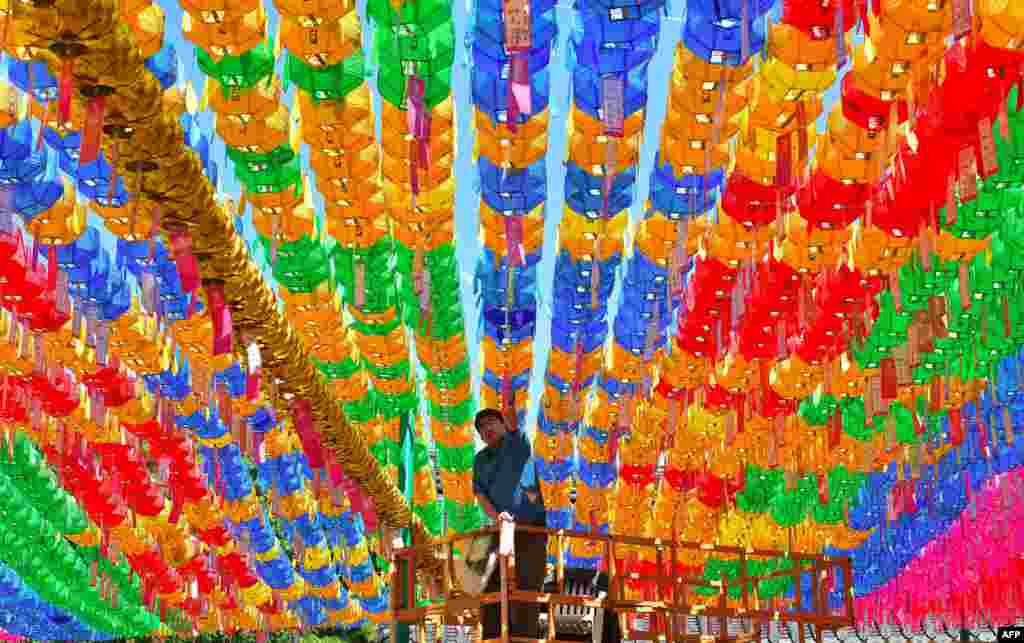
(506, 486)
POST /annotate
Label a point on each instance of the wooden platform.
(669, 605)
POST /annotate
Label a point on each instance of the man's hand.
(506, 517)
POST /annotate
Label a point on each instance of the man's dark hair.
(485, 414)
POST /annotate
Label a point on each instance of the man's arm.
(480, 493)
(487, 507)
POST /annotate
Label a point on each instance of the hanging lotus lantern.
(219, 7)
(819, 20)
(346, 167)
(62, 223)
(132, 221)
(270, 203)
(519, 148)
(334, 124)
(917, 16)
(424, 234)
(809, 249)
(256, 136)
(734, 243)
(831, 204)
(754, 205)
(288, 225)
(755, 164)
(223, 35)
(314, 9)
(322, 42)
(876, 252)
(357, 224)
(256, 103)
(797, 64)
(1001, 24)
(325, 83)
(147, 25)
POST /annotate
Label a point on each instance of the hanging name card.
(989, 159)
(801, 120)
(359, 297)
(744, 31)
(784, 161)
(961, 18)
(951, 212)
(968, 175)
(842, 56)
(613, 97)
(517, 25)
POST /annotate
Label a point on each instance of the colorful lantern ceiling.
(251, 284)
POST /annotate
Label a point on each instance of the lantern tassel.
(220, 314)
(520, 95)
(418, 122)
(66, 82)
(92, 135)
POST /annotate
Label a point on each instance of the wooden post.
(723, 602)
(609, 556)
(560, 562)
(744, 573)
(396, 591)
(503, 563)
(816, 587)
(450, 583)
(848, 585)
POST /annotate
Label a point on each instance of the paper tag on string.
(613, 96)
(744, 31)
(188, 267)
(220, 315)
(965, 288)
(514, 240)
(507, 538)
(359, 296)
(961, 18)
(719, 116)
(519, 89)
(987, 142)
(517, 25)
(968, 174)
(425, 292)
(801, 124)
(102, 343)
(839, 31)
(611, 165)
(92, 134)
(951, 213)
(784, 161)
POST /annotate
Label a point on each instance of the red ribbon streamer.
(514, 239)
(185, 261)
(93, 131)
(418, 121)
(220, 314)
(956, 427)
(302, 417)
(66, 82)
(520, 98)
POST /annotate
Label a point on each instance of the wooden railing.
(669, 600)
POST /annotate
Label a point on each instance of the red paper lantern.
(818, 19)
(750, 202)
